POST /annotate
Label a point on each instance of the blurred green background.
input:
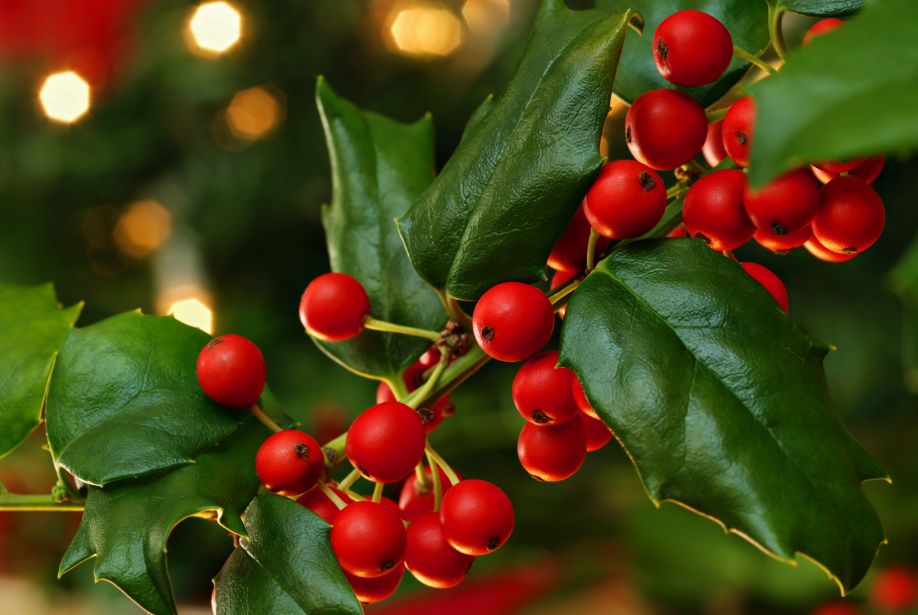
(194, 184)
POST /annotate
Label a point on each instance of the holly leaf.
(748, 24)
(124, 400)
(284, 565)
(813, 111)
(819, 8)
(126, 526)
(507, 193)
(33, 325)
(379, 167)
(720, 400)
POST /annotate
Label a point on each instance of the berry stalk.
(389, 327)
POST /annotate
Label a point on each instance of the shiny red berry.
(334, 307)
(713, 210)
(895, 589)
(289, 462)
(782, 244)
(580, 398)
(542, 391)
(231, 371)
(386, 442)
(691, 48)
(429, 556)
(770, 281)
(597, 433)
(713, 148)
(570, 252)
(868, 170)
(371, 591)
(823, 26)
(368, 539)
(417, 497)
(513, 321)
(477, 517)
(825, 254)
(626, 200)
(665, 129)
(851, 217)
(786, 204)
(738, 130)
(319, 503)
(552, 453)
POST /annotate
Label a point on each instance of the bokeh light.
(486, 16)
(215, 27)
(142, 228)
(253, 113)
(65, 97)
(190, 305)
(424, 30)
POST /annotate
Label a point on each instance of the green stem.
(775, 13)
(381, 325)
(455, 311)
(439, 461)
(455, 374)
(745, 55)
(714, 115)
(349, 480)
(591, 250)
(424, 391)
(331, 495)
(398, 387)
(265, 419)
(435, 478)
(377, 492)
(36, 503)
(562, 293)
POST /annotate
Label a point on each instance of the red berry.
(319, 503)
(782, 244)
(691, 48)
(370, 591)
(386, 442)
(513, 321)
(570, 253)
(679, 231)
(895, 589)
(580, 398)
(821, 27)
(231, 371)
(542, 392)
(713, 210)
(597, 433)
(626, 200)
(430, 558)
(289, 462)
(852, 216)
(552, 452)
(417, 498)
(713, 148)
(334, 307)
(825, 254)
(786, 204)
(770, 281)
(868, 170)
(836, 608)
(738, 130)
(664, 128)
(368, 539)
(477, 517)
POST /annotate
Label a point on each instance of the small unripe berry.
(417, 498)
(713, 210)
(691, 48)
(782, 244)
(289, 462)
(368, 539)
(371, 591)
(231, 371)
(626, 200)
(895, 589)
(868, 170)
(769, 280)
(823, 26)
(542, 392)
(570, 252)
(825, 254)
(665, 129)
(386, 442)
(786, 204)
(580, 398)
(429, 556)
(851, 217)
(713, 148)
(738, 130)
(477, 517)
(319, 503)
(513, 321)
(552, 452)
(597, 433)
(334, 307)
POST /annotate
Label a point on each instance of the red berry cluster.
(414, 377)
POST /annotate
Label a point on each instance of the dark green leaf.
(747, 21)
(513, 183)
(720, 400)
(285, 565)
(821, 8)
(126, 526)
(32, 328)
(814, 110)
(124, 400)
(379, 168)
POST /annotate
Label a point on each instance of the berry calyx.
(552, 453)
(626, 200)
(738, 130)
(770, 281)
(386, 442)
(289, 462)
(597, 433)
(570, 252)
(477, 517)
(231, 371)
(371, 591)
(512, 321)
(786, 204)
(429, 556)
(823, 253)
(692, 48)
(868, 170)
(542, 392)
(895, 589)
(580, 398)
(368, 539)
(713, 148)
(664, 128)
(851, 217)
(713, 210)
(417, 497)
(782, 244)
(334, 307)
(823, 26)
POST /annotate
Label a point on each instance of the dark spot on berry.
(493, 543)
(628, 133)
(663, 50)
(331, 455)
(487, 332)
(646, 180)
(778, 229)
(214, 343)
(301, 450)
(741, 137)
(387, 565)
(849, 250)
(427, 415)
(540, 417)
(703, 238)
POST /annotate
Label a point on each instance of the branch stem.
(439, 461)
(591, 250)
(36, 503)
(752, 59)
(435, 478)
(389, 327)
(266, 420)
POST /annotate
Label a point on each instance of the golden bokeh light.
(253, 113)
(65, 97)
(215, 27)
(142, 228)
(190, 305)
(424, 30)
(486, 16)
